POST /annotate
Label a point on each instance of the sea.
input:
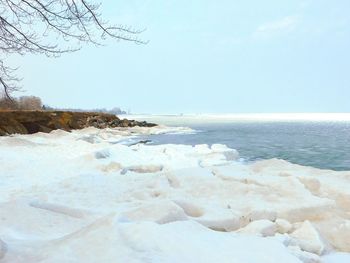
(321, 143)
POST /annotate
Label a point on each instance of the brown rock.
(28, 122)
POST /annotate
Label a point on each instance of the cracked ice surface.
(96, 196)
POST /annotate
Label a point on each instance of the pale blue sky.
(207, 56)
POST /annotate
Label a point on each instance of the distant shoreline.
(246, 117)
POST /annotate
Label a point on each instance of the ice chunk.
(305, 257)
(202, 149)
(161, 212)
(283, 226)
(308, 239)
(111, 167)
(190, 208)
(76, 213)
(260, 227)
(187, 241)
(145, 168)
(230, 154)
(255, 215)
(226, 223)
(39, 221)
(103, 154)
(337, 232)
(312, 184)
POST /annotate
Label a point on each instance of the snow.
(337, 258)
(99, 196)
(260, 227)
(309, 239)
(283, 226)
(304, 256)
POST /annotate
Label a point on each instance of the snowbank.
(93, 196)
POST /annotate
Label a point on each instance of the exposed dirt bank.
(29, 122)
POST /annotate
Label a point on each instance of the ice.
(220, 220)
(336, 258)
(93, 196)
(250, 117)
(189, 208)
(3, 249)
(260, 227)
(336, 230)
(304, 256)
(309, 239)
(144, 168)
(161, 212)
(150, 242)
(283, 226)
(191, 242)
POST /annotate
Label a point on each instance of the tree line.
(21, 103)
(35, 103)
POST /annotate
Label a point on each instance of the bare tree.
(42, 26)
(6, 104)
(21, 103)
(29, 103)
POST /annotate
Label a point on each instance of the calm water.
(319, 144)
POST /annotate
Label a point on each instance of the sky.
(206, 56)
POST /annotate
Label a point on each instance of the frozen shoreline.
(86, 197)
(248, 117)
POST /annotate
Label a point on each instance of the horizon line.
(255, 116)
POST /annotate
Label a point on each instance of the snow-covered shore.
(87, 196)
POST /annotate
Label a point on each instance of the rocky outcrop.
(29, 122)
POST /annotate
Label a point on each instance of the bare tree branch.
(43, 26)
